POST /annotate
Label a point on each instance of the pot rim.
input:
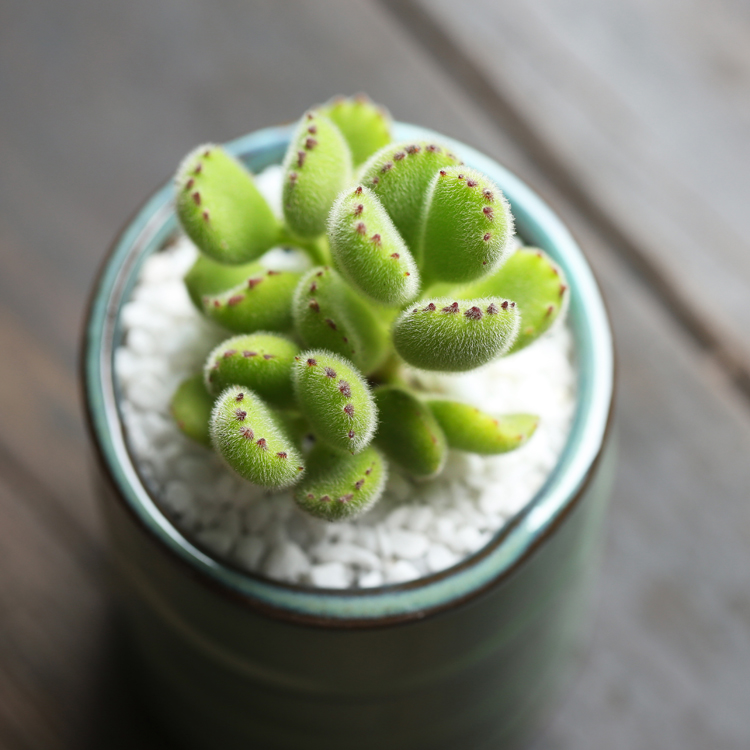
(155, 222)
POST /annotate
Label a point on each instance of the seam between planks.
(435, 40)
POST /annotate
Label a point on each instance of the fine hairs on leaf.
(221, 209)
(369, 250)
(312, 391)
(338, 487)
(451, 336)
(253, 441)
(336, 400)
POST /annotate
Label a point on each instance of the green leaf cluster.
(413, 264)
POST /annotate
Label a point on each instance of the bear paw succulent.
(413, 264)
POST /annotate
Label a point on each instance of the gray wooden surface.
(631, 118)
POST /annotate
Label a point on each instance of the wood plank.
(635, 108)
(671, 646)
(40, 427)
(61, 676)
(671, 650)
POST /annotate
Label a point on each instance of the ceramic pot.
(471, 657)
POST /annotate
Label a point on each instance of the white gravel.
(416, 529)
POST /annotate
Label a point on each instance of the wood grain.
(99, 103)
(634, 109)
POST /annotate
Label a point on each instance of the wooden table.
(631, 118)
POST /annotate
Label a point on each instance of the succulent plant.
(413, 265)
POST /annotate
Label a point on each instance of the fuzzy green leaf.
(261, 362)
(535, 284)
(329, 315)
(262, 302)
(191, 408)
(317, 167)
(340, 487)
(400, 175)
(221, 209)
(336, 400)
(365, 125)
(252, 440)
(206, 278)
(369, 250)
(468, 429)
(441, 334)
(408, 432)
(467, 227)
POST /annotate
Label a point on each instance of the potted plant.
(315, 380)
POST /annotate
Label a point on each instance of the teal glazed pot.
(472, 657)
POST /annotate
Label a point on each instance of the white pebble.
(258, 515)
(420, 518)
(287, 562)
(440, 558)
(370, 579)
(345, 553)
(217, 540)
(250, 551)
(400, 572)
(384, 542)
(177, 495)
(331, 575)
(467, 539)
(398, 518)
(445, 530)
(408, 545)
